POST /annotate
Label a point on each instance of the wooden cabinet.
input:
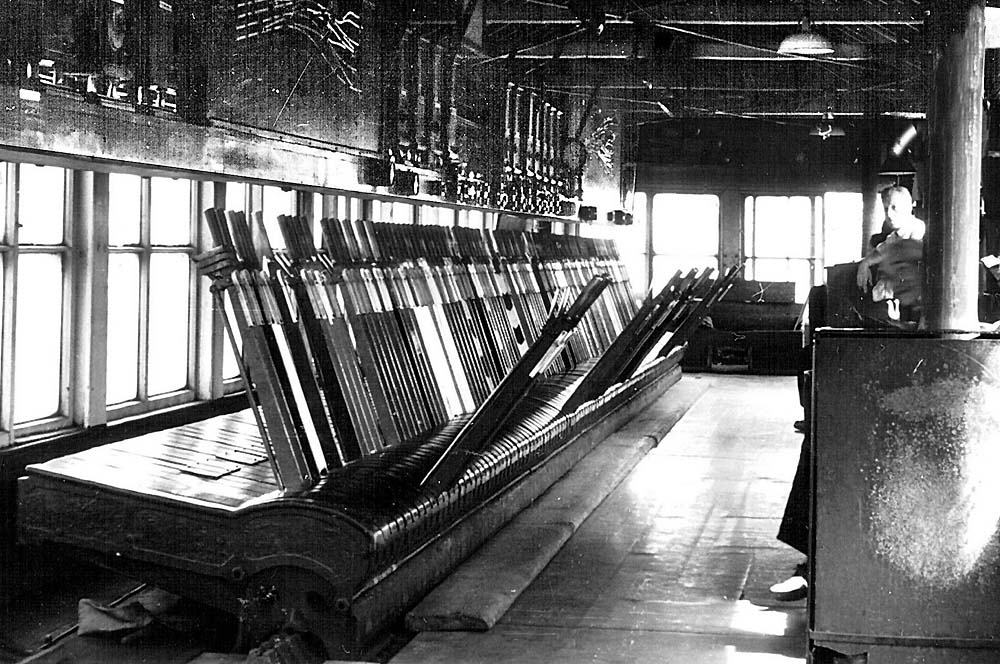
(906, 520)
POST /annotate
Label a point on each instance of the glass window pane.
(168, 322)
(664, 267)
(783, 226)
(38, 349)
(380, 209)
(402, 213)
(748, 226)
(236, 196)
(123, 328)
(40, 203)
(319, 200)
(785, 269)
(428, 215)
(631, 243)
(124, 208)
(169, 211)
(3, 201)
(685, 224)
(476, 219)
(3, 265)
(843, 221)
(276, 202)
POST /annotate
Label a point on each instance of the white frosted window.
(169, 212)
(792, 238)
(38, 340)
(236, 196)
(168, 322)
(631, 243)
(685, 230)
(124, 209)
(123, 328)
(276, 202)
(41, 202)
(842, 221)
(402, 213)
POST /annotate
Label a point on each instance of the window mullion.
(816, 221)
(67, 397)
(648, 240)
(8, 327)
(89, 298)
(209, 335)
(144, 254)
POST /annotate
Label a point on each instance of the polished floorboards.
(674, 565)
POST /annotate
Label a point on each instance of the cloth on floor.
(138, 613)
(94, 618)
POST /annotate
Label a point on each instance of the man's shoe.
(799, 425)
(793, 588)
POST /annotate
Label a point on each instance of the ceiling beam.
(720, 73)
(721, 12)
(752, 103)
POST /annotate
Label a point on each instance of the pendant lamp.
(805, 41)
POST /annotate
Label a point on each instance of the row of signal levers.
(390, 331)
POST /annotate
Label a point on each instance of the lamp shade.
(805, 43)
(897, 165)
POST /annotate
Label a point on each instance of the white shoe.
(791, 589)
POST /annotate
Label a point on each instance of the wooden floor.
(674, 566)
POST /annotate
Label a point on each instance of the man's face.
(898, 208)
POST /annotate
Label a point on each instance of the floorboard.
(675, 564)
(672, 568)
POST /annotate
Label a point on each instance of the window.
(236, 196)
(402, 213)
(150, 292)
(793, 238)
(631, 242)
(842, 214)
(685, 230)
(475, 219)
(41, 263)
(429, 215)
(274, 202)
(598, 231)
(433, 215)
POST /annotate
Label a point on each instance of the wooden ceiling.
(679, 58)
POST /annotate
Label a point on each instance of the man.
(897, 257)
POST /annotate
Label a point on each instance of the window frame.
(144, 250)
(651, 230)
(14, 249)
(817, 259)
(85, 252)
(812, 259)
